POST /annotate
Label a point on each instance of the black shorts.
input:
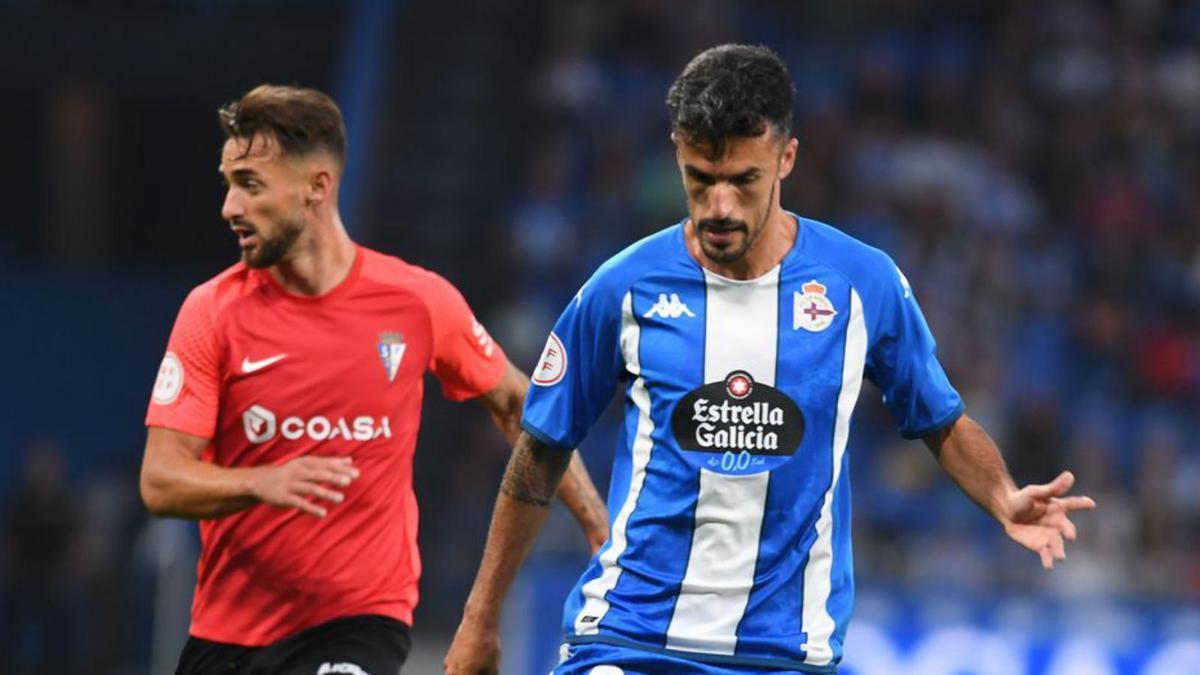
(355, 645)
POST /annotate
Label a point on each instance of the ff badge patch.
(169, 382)
(553, 364)
(812, 310)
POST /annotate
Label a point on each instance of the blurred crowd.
(77, 583)
(1032, 167)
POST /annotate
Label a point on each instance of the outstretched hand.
(1037, 517)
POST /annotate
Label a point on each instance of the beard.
(735, 250)
(728, 253)
(272, 250)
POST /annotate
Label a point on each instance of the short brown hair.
(300, 120)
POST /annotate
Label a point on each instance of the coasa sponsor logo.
(744, 426)
(260, 425)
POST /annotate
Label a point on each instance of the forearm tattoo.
(534, 472)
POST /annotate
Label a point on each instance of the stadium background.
(1034, 167)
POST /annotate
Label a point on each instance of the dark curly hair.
(731, 91)
(301, 120)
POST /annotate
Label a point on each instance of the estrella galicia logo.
(740, 425)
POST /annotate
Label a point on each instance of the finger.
(1059, 486)
(1078, 503)
(1068, 529)
(1047, 559)
(335, 463)
(323, 470)
(331, 477)
(319, 491)
(343, 466)
(298, 502)
(1057, 547)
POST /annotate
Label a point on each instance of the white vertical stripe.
(595, 605)
(741, 330)
(818, 624)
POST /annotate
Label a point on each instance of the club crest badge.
(812, 310)
(391, 350)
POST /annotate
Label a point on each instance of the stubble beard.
(270, 251)
(730, 255)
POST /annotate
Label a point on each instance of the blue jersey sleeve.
(579, 369)
(902, 360)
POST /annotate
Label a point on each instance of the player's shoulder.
(394, 271)
(657, 251)
(437, 295)
(225, 288)
(865, 266)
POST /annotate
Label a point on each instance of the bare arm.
(1035, 516)
(529, 485)
(505, 402)
(176, 482)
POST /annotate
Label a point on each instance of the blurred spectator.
(42, 528)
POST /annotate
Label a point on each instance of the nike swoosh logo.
(249, 366)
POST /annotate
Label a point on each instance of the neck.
(319, 261)
(777, 238)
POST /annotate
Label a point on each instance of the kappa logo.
(904, 283)
(812, 310)
(350, 668)
(668, 308)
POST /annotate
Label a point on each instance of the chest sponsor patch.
(737, 426)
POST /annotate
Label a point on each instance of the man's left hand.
(1037, 517)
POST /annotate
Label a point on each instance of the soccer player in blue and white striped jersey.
(739, 339)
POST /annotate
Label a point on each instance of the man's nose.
(232, 208)
(722, 201)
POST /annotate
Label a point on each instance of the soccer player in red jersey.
(285, 413)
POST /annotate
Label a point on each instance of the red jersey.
(269, 376)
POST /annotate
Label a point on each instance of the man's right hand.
(298, 482)
(474, 651)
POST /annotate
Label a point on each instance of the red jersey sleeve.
(466, 360)
(185, 393)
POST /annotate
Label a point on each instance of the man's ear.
(320, 186)
(787, 158)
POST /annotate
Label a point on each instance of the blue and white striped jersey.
(729, 498)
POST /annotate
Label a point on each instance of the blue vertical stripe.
(364, 57)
